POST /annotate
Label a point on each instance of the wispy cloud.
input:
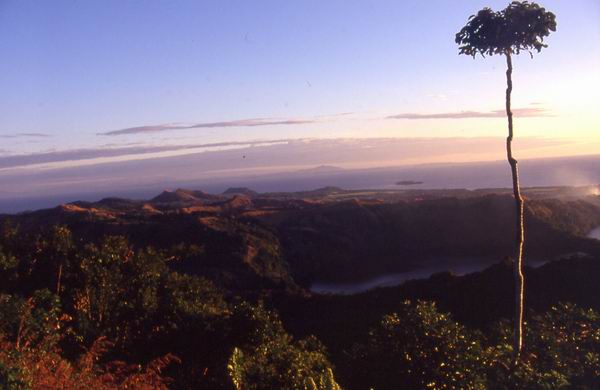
(241, 165)
(23, 160)
(520, 112)
(438, 96)
(234, 123)
(25, 135)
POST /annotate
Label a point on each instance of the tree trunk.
(520, 228)
(58, 278)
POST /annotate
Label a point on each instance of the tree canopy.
(520, 26)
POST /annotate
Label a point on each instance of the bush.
(419, 348)
(269, 358)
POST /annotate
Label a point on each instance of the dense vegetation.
(89, 302)
(114, 316)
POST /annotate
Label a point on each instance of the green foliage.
(419, 348)
(122, 311)
(129, 298)
(325, 382)
(235, 368)
(186, 297)
(8, 262)
(44, 260)
(9, 232)
(100, 297)
(520, 26)
(10, 378)
(566, 339)
(130, 295)
(563, 349)
(11, 261)
(30, 321)
(8, 269)
(270, 358)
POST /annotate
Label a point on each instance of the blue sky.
(73, 69)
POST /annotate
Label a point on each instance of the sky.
(95, 82)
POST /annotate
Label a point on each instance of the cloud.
(23, 160)
(25, 135)
(267, 154)
(438, 96)
(519, 112)
(234, 123)
(237, 166)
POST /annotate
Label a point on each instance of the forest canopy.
(110, 315)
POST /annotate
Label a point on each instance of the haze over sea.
(568, 171)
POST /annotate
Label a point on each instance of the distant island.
(408, 182)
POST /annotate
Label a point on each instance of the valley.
(330, 235)
(307, 275)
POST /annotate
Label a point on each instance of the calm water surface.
(455, 266)
(595, 233)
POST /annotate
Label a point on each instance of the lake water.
(455, 266)
(595, 233)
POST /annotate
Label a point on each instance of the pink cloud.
(519, 112)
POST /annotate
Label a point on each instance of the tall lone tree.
(521, 26)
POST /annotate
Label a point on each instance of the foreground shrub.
(31, 357)
(270, 358)
(418, 348)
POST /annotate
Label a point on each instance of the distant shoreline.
(408, 182)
